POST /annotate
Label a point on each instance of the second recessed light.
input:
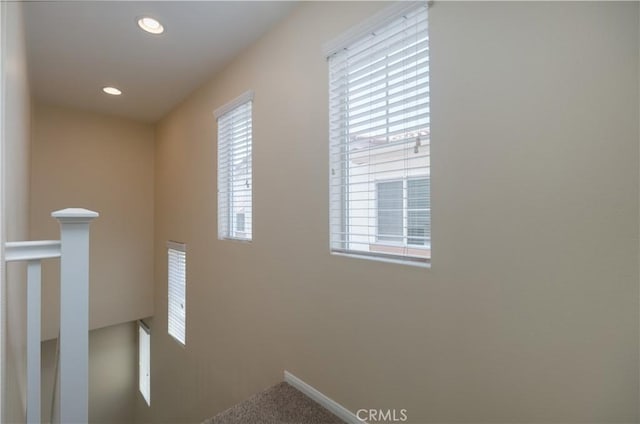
(112, 90)
(152, 26)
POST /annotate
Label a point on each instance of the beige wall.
(16, 205)
(113, 378)
(82, 159)
(530, 311)
(551, 184)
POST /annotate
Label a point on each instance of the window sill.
(399, 249)
(240, 240)
(417, 264)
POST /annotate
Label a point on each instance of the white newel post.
(74, 314)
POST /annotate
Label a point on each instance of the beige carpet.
(280, 404)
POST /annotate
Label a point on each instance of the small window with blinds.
(144, 361)
(235, 183)
(379, 138)
(177, 302)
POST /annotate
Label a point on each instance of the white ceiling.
(76, 47)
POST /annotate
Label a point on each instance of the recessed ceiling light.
(150, 25)
(112, 90)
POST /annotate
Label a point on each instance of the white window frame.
(228, 206)
(344, 240)
(144, 361)
(177, 307)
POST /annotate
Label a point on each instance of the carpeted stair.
(279, 404)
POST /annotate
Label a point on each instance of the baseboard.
(333, 406)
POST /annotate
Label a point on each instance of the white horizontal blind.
(379, 141)
(144, 362)
(177, 259)
(235, 172)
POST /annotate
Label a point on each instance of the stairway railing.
(73, 251)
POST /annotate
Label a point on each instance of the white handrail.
(31, 250)
(73, 251)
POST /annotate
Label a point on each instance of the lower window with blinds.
(380, 181)
(177, 288)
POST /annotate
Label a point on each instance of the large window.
(144, 361)
(177, 299)
(234, 169)
(380, 138)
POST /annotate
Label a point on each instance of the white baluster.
(34, 281)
